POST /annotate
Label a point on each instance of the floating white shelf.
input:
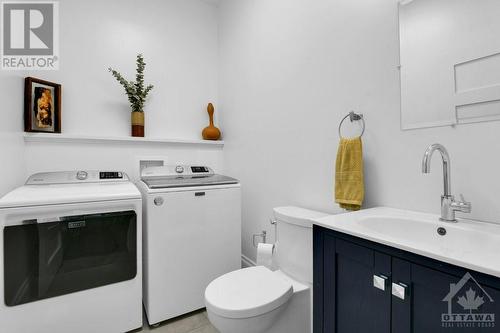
(70, 138)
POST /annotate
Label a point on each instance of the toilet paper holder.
(263, 237)
(263, 234)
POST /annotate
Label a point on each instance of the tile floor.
(196, 322)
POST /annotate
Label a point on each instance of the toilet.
(275, 299)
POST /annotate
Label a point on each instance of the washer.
(71, 254)
(192, 234)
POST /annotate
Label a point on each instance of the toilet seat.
(247, 292)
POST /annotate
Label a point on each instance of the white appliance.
(192, 234)
(71, 254)
(257, 299)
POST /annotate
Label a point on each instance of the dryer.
(192, 234)
(71, 254)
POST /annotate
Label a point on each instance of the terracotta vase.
(137, 124)
(211, 132)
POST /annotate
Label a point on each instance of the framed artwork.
(42, 106)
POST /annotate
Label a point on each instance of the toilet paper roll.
(265, 255)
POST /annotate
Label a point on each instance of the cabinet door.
(439, 302)
(351, 301)
(401, 302)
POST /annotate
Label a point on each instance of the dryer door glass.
(47, 259)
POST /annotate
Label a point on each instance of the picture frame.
(42, 106)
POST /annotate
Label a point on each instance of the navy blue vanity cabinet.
(365, 287)
(364, 308)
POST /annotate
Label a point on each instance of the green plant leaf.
(135, 91)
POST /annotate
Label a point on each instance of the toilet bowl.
(247, 300)
(260, 300)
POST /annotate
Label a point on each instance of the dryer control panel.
(79, 176)
(200, 169)
(110, 175)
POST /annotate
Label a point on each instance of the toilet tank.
(293, 249)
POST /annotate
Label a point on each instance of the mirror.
(450, 62)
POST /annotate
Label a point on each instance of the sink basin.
(399, 228)
(471, 244)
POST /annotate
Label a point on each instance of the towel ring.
(352, 117)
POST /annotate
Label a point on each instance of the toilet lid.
(247, 292)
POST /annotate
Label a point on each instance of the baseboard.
(246, 262)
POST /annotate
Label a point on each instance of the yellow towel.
(349, 183)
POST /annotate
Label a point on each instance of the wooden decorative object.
(211, 132)
(138, 124)
(42, 106)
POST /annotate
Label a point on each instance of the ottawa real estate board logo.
(469, 306)
(29, 35)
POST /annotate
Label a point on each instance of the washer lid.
(187, 181)
(170, 176)
(247, 292)
(296, 215)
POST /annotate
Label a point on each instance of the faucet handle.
(463, 205)
(462, 200)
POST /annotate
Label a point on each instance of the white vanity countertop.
(470, 244)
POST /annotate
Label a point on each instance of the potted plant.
(136, 93)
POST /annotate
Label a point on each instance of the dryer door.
(44, 259)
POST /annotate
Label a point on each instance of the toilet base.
(258, 324)
(297, 317)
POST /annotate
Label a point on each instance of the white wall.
(179, 41)
(12, 168)
(290, 69)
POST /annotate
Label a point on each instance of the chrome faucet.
(448, 203)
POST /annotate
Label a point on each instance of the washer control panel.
(193, 169)
(178, 170)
